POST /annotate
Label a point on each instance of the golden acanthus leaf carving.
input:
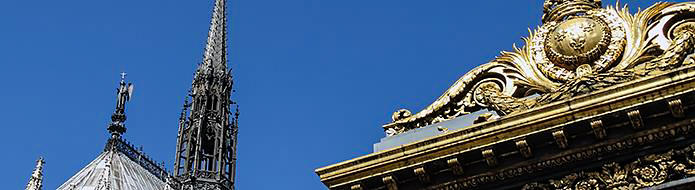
(647, 171)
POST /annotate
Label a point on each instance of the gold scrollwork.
(652, 41)
(648, 171)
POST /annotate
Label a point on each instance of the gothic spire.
(123, 94)
(215, 56)
(206, 143)
(36, 179)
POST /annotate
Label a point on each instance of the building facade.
(598, 98)
(206, 146)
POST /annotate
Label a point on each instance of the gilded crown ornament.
(554, 10)
(579, 48)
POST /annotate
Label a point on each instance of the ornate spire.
(206, 148)
(123, 94)
(36, 179)
(215, 56)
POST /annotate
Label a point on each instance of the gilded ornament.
(648, 171)
(635, 119)
(578, 40)
(580, 48)
(400, 114)
(589, 184)
(456, 167)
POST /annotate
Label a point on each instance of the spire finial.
(215, 56)
(36, 179)
(123, 93)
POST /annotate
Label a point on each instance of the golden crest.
(580, 48)
(578, 40)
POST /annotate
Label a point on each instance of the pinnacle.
(215, 56)
(36, 178)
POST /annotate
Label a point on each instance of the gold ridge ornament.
(578, 40)
(580, 48)
(597, 39)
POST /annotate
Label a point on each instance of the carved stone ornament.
(579, 48)
(647, 171)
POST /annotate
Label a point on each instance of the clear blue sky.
(315, 79)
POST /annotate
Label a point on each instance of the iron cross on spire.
(123, 74)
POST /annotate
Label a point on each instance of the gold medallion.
(577, 41)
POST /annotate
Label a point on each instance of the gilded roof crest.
(579, 48)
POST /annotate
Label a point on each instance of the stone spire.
(206, 144)
(215, 56)
(123, 94)
(36, 179)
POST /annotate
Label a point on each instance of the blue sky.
(315, 79)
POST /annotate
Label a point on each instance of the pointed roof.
(121, 166)
(114, 170)
(215, 55)
(36, 179)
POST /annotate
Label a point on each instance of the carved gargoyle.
(580, 47)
